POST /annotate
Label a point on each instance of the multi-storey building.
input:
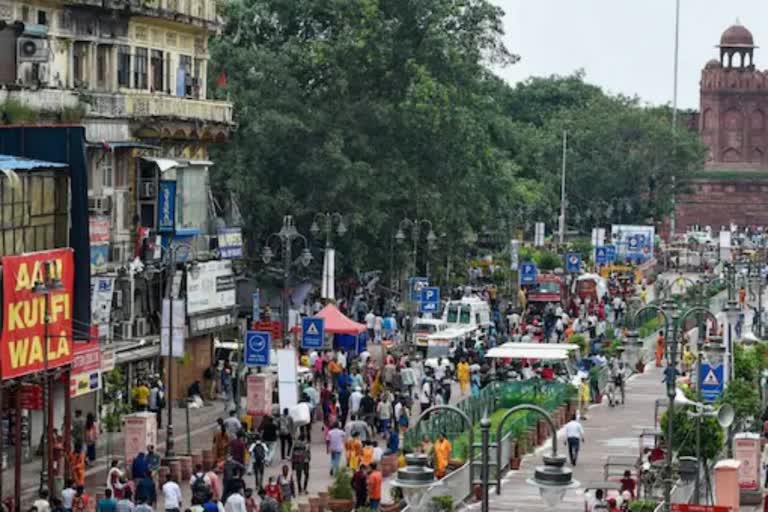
(133, 72)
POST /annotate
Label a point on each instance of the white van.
(469, 312)
(424, 327)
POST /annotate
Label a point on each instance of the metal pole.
(671, 366)
(169, 443)
(286, 280)
(562, 188)
(697, 490)
(485, 429)
(673, 218)
(46, 398)
(17, 454)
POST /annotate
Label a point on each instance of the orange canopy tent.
(337, 323)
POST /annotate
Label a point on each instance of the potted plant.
(442, 504)
(340, 493)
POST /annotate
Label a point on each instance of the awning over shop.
(164, 164)
(137, 354)
(15, 163)
(337, 323)
(111, 145)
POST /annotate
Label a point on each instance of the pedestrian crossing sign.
(711, 381)
(312, 332)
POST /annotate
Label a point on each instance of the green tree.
(684, 435)
(744, 397)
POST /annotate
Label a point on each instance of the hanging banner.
(102, 289)
(230, 243)
(329, 274)
(179, 327)
(210, 285)
(23, 335)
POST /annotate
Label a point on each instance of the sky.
(626, 46)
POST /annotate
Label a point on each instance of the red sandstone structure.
(733, 186)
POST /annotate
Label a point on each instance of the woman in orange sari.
(659, 350)
(354, 449)
(77, 465)
(220, 444)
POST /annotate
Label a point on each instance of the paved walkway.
(608, 431)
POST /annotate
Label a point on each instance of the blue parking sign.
(257, 344)
(312, 332)
(430, 299)
(573, 262)
(601, 255)
(528, 273)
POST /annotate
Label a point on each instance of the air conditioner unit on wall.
(142, 327)
(98, 203)
(125, 333)
(32, 49)
(118, 298)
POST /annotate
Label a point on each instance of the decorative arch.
(706, 119)
(757, 155)
(731, 155)
(733, 120)
(757, 120)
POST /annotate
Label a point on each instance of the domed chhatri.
(737, 36)
(713, 64)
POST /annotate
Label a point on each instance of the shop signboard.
(230, 243)
(23, 334)
(210, 285)
(31, 397)
(86, 368)
(259, 394)
(166, 206)
(102, 290)
(685, 507)
(108, 360)
(99, 258)
(211, 322)
(99, 227)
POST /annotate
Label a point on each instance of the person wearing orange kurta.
(443, 449)
(366, 458)
(659, 350)
(462, 374)
(77, 465)
(354, 451)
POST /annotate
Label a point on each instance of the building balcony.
(201, 13)
(131, 105)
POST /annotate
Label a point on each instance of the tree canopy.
(386, 109)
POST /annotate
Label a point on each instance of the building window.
(42, 18)
(107, 164)
(102, 66)
(140, 68)
(124, 66)
(157, 71)
(80, 63)
(185, 71)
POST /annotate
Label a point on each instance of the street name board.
(257, 344)
(430, 299)
(312, 332)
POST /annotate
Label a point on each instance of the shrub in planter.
(340, 493)
(442, 504)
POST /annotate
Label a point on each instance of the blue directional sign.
(610, 252)
(711, 381)
(312, 332)
(416, 284)
(430, 299)
(257, 345)
(573, 262)
(601, 255)
(528, 273)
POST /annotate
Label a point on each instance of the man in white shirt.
(425, 397)
(341, 358)
(41, 504)
(574, 433)
(235, 502)
(354, 401)
(171, 495)
(370, 321)
(67, 495)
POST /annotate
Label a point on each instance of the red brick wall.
(719, 202)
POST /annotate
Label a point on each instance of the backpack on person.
(259, 454)
(161, 399)
(299, 456)
(201, 491)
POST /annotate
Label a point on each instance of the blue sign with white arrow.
(711, 381)
(312, 332)
(610, 253)
(601, 255)
(573, 262)
(257, 345)
(528, 273)
(430, 299)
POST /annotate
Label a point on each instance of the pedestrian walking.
(171, 495)
(258, 452)
(268, 503)
(462, 374)
(300, 459)
(145, 490)
(442, 450)
(574, 434)
(335, 439)
(235, 502)
(360, 486)
(353, 449)
(374, 487)
(125, 504)
(286, 483)
(41, 504)
(107, 504)
(232, 425)
(220, 442)
(286, 434)
(237, 448)
(81, 501)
